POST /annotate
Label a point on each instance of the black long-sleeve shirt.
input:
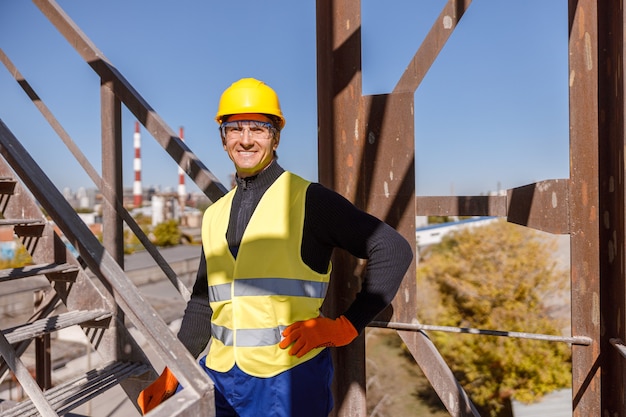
(330, 221)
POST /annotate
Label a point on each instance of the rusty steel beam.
(542, 205)
(492, 205)
(611, 145)
(112, 225)
(385, 176)
(366, 153)
(339, 101)
(431, 46)
(584, 206)
(439, 374)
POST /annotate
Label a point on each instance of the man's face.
(247, 145)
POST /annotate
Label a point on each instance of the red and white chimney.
(137, 191)
(182, 192)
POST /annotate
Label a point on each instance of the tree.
(167, 233)
(501, 277)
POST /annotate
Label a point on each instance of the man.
(264, 271)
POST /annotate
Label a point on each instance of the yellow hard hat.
(249, 95)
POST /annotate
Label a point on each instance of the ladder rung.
(56, 272)
(28, 227)
(73, 393)
(7, 185)
(54, 323)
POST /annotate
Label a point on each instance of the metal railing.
(107, 264)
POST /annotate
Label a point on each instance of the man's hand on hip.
(317, 332)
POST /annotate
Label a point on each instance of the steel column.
(584, 205)
(339, 122)
(366, 153)
(112, 225)
(611, 189)
(43, 354)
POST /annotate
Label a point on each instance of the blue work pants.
(303, 391)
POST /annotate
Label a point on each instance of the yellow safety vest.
(267, 288)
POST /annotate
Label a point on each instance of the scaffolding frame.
(364, 138)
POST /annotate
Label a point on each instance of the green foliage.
(445, 219)
(438, 219)
(500, 277)
(131, 241)
(167, 233)
(83, 210)
(143, 221)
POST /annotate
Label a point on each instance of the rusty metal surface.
(583, 206)
(493, 205)
(385, 180)
(434, 41)
(366, 153)
(339, 87)
(111, 126)
(611, 145)
(542, 205)
(439, 374)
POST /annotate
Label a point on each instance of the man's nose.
(246, 136)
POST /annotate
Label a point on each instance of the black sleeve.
(195, 329)
(332, 221)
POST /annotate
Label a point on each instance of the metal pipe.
(619, 345)
(576, 340)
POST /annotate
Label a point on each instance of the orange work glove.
(317, 332)
(157, 392)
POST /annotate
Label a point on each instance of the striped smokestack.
(181, 173)
(137, 191)
(182, 192)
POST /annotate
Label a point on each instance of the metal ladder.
(93, 291)
(72, 287)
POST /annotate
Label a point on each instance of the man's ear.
(277, 139)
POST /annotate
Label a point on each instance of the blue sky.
(491, 113)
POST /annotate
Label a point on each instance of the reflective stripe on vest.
(248, 337)
(268, 286)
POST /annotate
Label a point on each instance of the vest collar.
(263, 179)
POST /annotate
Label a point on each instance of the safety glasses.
(256, 129)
